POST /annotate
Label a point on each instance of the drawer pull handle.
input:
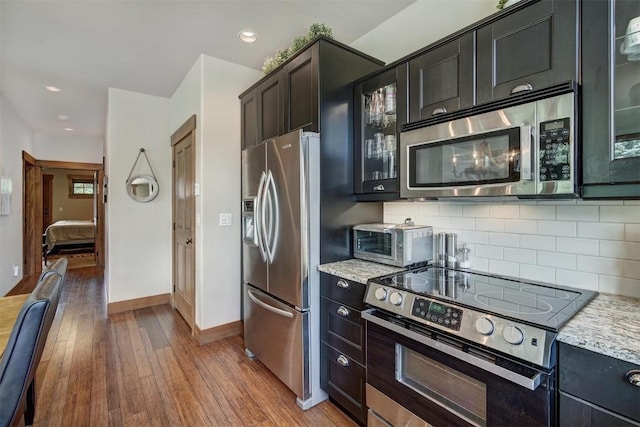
(521, 88)
(342, 284)
(379, 187)
(342, 361)
(343, 311)
(439, 110)
(633, 376)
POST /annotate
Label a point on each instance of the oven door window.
(453, 390)
(487, 158)
(374, 242)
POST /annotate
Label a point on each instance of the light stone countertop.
(609, 325)
(358, 270)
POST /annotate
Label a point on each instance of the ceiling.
(85, 46)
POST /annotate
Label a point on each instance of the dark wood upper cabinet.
(300, 78)
(610, 101)
(441, 80)
(270, 108)
(249, 119)
(529, 49)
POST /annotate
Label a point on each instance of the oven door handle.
(529, 383)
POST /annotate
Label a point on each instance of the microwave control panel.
(555, 153)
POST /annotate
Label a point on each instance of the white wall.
(15, 137)
(582, 244)
(415, 27)
(138, 234)
(210, 90)
(64, 207)
(68, 148)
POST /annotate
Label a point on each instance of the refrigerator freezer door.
(288, 240)
(273, 332)
(254, 263)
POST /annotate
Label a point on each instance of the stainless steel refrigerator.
(280, 216)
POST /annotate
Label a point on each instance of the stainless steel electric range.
(454, 347)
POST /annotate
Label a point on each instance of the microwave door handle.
(259, 227)
(527, 151)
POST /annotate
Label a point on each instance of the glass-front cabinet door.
(380, 111)
(611, 99)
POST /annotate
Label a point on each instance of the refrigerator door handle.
(269, 307)
(258, 220)
(264, 230)
(275, 217)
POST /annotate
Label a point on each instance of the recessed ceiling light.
(63, 117)
(69, 129)
(248, 36)
(52, 88)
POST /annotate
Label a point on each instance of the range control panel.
(555, 153)
(441, 314)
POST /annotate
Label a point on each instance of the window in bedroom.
(81, 186)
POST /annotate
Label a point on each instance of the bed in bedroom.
(68, 236)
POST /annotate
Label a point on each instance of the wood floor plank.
(143, 368)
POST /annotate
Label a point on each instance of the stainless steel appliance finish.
(467, 348)
(519, 151)
(393, 244)
(280, 194)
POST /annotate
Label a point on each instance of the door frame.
(32, 208)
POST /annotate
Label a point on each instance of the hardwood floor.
(141, 368)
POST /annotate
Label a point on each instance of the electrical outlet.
(225, 220)
(16, 270)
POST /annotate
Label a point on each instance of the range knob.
(513, 335)
(380, 294)
(485, 326)
(395, 298)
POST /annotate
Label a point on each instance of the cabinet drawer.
(599, 379)
(575, 412)
(341, 327)
(346, 380)
(344, 291)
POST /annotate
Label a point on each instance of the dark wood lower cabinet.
(345, 381)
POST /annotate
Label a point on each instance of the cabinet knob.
(521, 88)
(343, 311)
(378, 188)
(342, 284)
(439, 110)
(342, 360)
(633, 376)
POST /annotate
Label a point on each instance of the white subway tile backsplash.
(584, 244)
(616, 249)
(463, 223)
(480, 237)
(523, 256)
(537, 273)
(489, 224)
(628, 214)
(525, 226)
(537, 212)
(557, 228)
(555, 259)
(577, 279)
(504, 239)
(504, 268)
(504, 211)
(532, 241)
(577, 246)
(592, 264)
(451, 209)
(577, 213)
(631, 269)
(478, 211)
(598, 230)
(619, 286)
(485, 251)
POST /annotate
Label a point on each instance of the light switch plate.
(225, 220)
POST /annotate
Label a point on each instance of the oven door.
(446, 382)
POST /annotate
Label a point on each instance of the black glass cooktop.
(537, 303)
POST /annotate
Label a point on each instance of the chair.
(21, 357)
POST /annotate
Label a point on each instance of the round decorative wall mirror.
(142, 188)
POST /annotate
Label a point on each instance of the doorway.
(34, 198)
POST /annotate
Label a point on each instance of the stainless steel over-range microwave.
(526, 150)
